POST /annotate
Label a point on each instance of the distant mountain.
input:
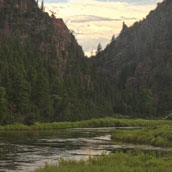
(139, 64)
(44, 75)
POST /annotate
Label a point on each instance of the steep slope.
(44, 75)
(139, 63)
(22, 20)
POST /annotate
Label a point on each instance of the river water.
(27, 150)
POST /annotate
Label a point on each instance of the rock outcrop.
(23, 20)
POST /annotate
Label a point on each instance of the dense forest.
(44, 75)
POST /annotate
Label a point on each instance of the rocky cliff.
(24, 21)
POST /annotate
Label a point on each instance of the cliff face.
(141, 56)
(22, 20)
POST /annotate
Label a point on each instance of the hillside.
(44, 75)
(25, 22)
(139, 64)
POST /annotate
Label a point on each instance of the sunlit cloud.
(89, 18)
(95, 21)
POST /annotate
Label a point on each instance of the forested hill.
(139, 63)
(24, 22)
(44, 75)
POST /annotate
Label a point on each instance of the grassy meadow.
(157, 136)
(117, 162)
(93, 123)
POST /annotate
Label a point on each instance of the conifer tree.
(113, 38)
(42, 6)
(22, 96)
(99, 48)
(42, 96)
(3, 104)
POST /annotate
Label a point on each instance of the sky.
(96, 21)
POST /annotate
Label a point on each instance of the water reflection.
(27, 150)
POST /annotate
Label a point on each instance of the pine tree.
(42, 97)
(22, 96)
(113, 38)
(3, 104)
(42, 6)
(99, 48)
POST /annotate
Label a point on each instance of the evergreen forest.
(45, 77)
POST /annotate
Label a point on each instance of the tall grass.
(117, 162)
(103, 122)
(158, 136)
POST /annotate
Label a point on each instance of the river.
(28, 150)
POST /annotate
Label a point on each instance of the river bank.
(26, 148)
(157, 136)
(132, 161)
(93, 123)
(156, 133)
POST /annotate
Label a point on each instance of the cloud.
(96, 21)
(92, 18)
(136, 2)
(127, 18)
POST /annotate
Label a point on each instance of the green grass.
(104, 122)
(157, 136)
(117, 162)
